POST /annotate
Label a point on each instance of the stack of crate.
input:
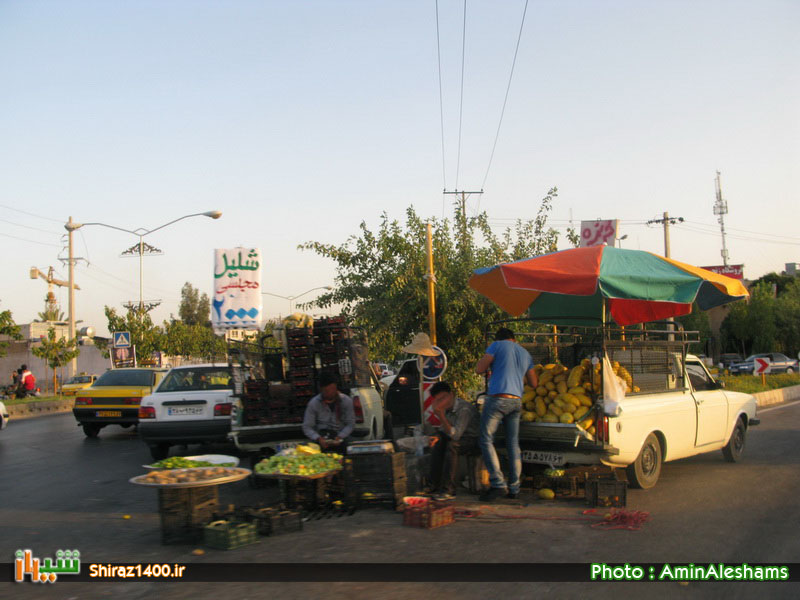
(332, 340)
(255, 403)
(185, 512)
(301, 370)
(376, 478)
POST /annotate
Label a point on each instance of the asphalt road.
(60, 490)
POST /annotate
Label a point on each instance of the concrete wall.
(18, 353)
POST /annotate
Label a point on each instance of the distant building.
(792, 269)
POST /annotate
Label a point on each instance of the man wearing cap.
(509, 364)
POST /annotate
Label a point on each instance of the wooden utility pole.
(431, 288)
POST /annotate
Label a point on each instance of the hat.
(421, 344)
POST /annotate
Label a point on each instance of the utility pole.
(721, 209)
(73, 368)
(666, 221)
(463, 195)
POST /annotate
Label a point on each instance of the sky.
(299, 120)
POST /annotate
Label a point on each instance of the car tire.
(159, 451)
(643, 473)
(734, 449)
(91, 430)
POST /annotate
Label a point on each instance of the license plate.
(108, 413)
(544, 458)
(184, 410)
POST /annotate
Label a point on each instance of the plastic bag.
(613, 389)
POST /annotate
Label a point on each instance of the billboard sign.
(237, 290)
(732, 271)
(597, 233)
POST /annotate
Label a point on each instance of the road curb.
(778, 396)
(39, 409)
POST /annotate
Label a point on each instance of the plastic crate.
(227, 535)
(606, 491)
(375, 467)
(430, 515)
(184, 512)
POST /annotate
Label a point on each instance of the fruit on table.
(300, 464)
(554, 472)
(546, 494)
(179, 462)
(188, 475)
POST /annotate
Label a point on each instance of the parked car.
(779, 363)
(3, 416)
(728, 359)
(114, 398)
(75, 384)
(385, 370)
(191, 405)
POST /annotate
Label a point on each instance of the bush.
(750, 384)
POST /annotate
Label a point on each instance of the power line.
(461, 102)
(22, 239)
(505, 100)
(441, 102)
(32, 214)
(29, 227)
(768, 235)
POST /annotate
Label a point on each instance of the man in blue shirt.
(329, 418)
(509, 365)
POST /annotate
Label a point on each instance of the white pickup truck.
(678, 409)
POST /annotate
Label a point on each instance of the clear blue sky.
(300, 119)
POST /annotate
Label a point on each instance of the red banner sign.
(732, 271)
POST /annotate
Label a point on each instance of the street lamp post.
(140, 232)
(291, 299)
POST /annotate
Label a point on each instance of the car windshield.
(79, 379)
(755, 356)
(199, 378)
(125, 377)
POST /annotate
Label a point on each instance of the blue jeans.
(506, 410)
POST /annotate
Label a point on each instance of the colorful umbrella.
(571, 287)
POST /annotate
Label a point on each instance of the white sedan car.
(191, 405)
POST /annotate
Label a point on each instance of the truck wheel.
(643, 473)
(159, 451)
(735, 447)
(91, 429)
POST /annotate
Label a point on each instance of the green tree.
(751, 327)
(56, 352)
(698, 321)
(195, 308)
(195, 340)
(9, 329)
(51, 311)
(787, 318)
(778, 283)
(145, 336)
(381, 280)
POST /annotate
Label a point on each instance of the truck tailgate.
(560, 436)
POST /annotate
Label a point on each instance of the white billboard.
(237, 289)
(597, 233)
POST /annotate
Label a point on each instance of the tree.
(146, 337)
(56, 352)
(698, 321)
(196, 340)
(381, 280)
(751, 327)
(195, 308)
(8, 328)
(51, 311)
(787, 318)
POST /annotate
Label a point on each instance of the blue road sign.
(122, 339)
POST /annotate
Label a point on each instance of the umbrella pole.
(431, 288)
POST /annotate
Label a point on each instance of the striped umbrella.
(575, 286)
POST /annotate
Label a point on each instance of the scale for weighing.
(370, 447)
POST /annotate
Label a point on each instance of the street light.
(293, 298)
(140, 232)
(619, 240)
